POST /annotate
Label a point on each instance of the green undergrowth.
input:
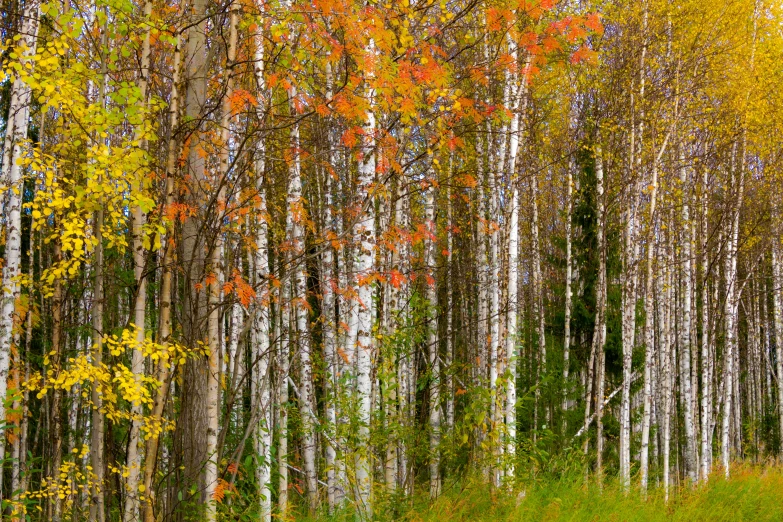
(753, 494)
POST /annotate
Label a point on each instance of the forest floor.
(753, 494)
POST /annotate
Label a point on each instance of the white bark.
(684, 335)
(512, 333)
(600, 322)
(777, 303)
(707, 336)
(568, 277)
(730, 317)
(406, 388)
(628, 334)
(649, 327)
(649, 339)
(97, 503)
(665, 313)
(432, 344)
(19, 110)
(261, 386)
(282, 335)
(364, 235)
(295, 231)
(449, 314)
(512, 310)
(164, 319)
(538, 299)
(494, 326)
(330, 320)
(138, 217)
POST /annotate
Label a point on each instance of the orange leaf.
(396, 278)
(593, 22)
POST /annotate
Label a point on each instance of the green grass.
(752, 494)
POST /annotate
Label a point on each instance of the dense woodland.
(264, 258)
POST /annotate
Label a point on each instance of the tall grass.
(753, 493)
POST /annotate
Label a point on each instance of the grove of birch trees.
(269, 258)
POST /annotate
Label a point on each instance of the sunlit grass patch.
(754, 493)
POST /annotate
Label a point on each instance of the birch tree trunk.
(684, 335)
(295, 219)
(282, 336)
(494, 327)
(665, 296)
(432, 343)
(97, 503)
(164, 319)
(777, 303)
(649, 329)
(512, 310)
(16, 133)
(262, 382)
(364, 234)
(538, 297)
(706, 337)
(407, 402)
(628, 278)
(97, 511)
(133, 461)
(568, 278)
(449, 313)
(600, 323)
(730, 315)
(330, 320)
(55, 421)
(483, 279)
(261, 387)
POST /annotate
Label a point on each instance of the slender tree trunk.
(261, 386)
(512, 334)
(730, 316)
(517, 93)
(330, 321)
(568, 282)
(364, 235)
(283, 339)
(55, 423)
(191, 449)
(494, 330)
(538, 296)
(649, 328)
(404, 368)
(628, 278)
(296, 216)
(600, 323)
(449, 312)
(262, 382)
(133, 462)
(164, 317)
(97, 510)
(665, 296)
(97, 492)
(483, 281)
(777, 303)
(16, 133)
(684, 335)
(706, 337)
(432, 344)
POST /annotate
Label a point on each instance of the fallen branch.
(595, 413)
